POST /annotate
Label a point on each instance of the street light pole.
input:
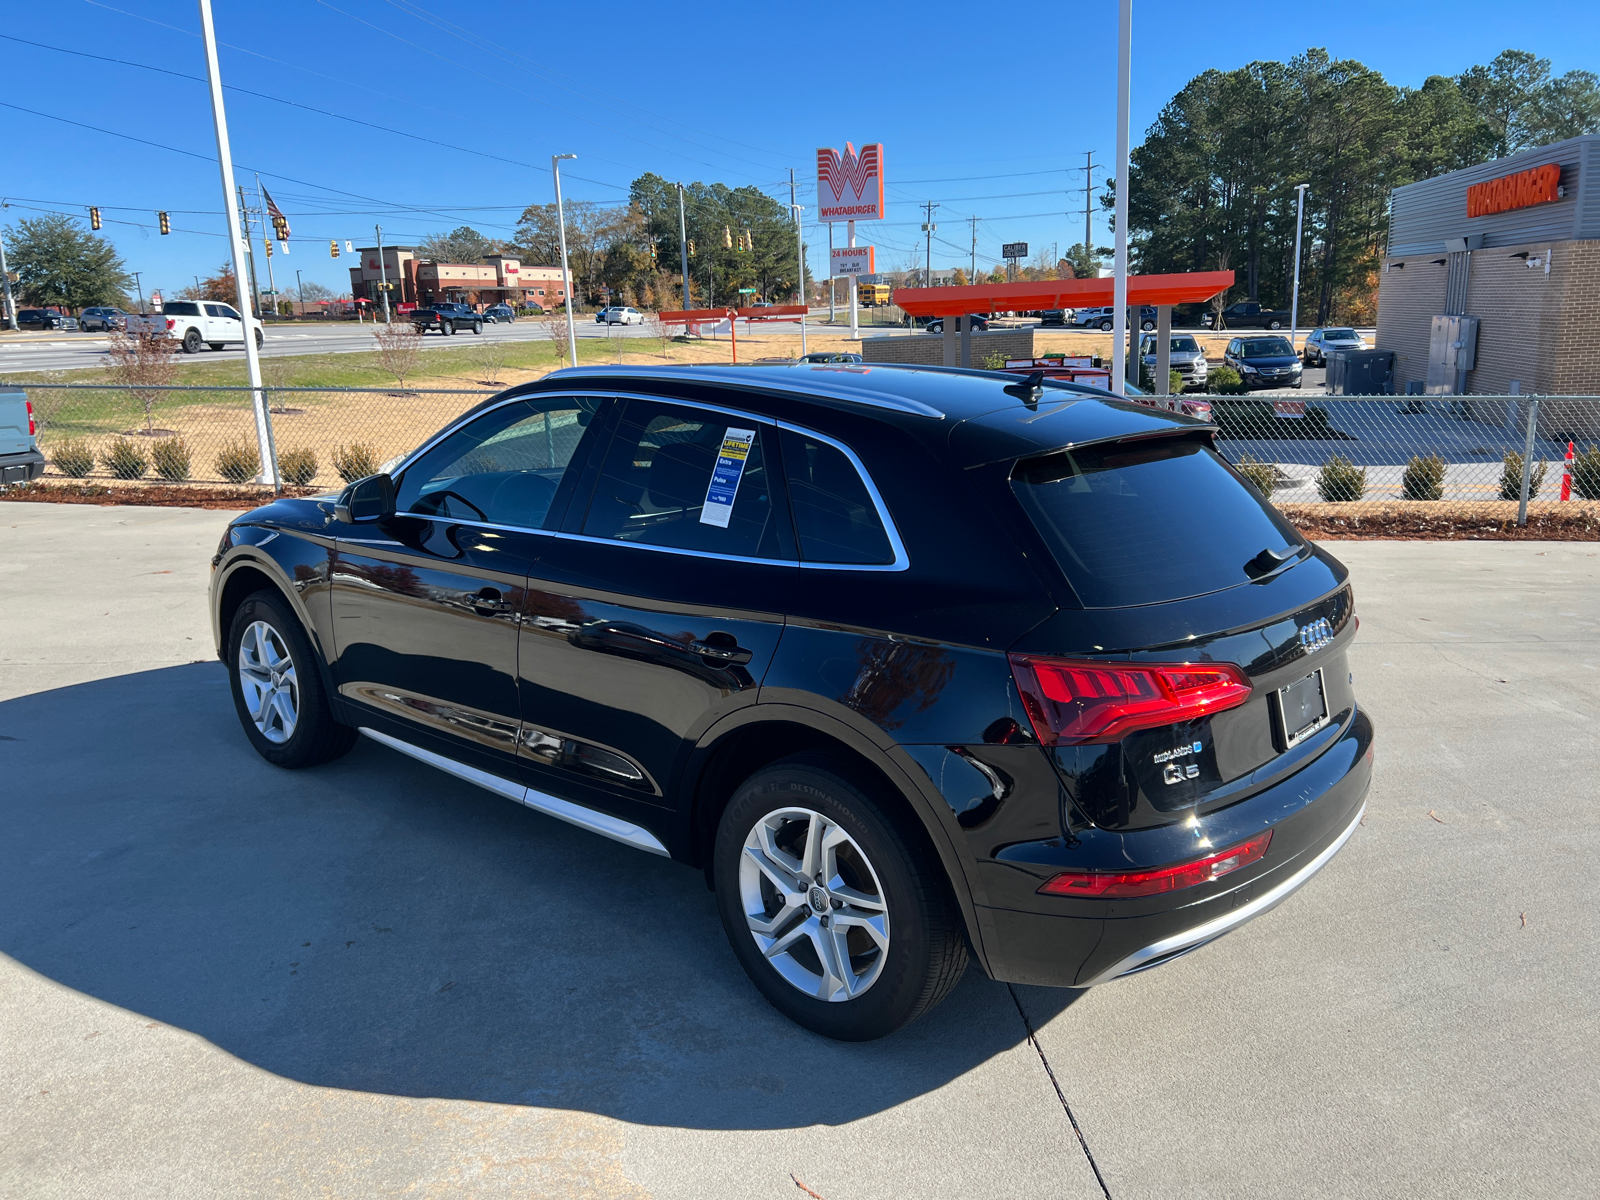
(683, 247)
(800, 255)
(1300, 190)
(566, 276)
(383, 275)
(139, 287)
(1119, 274)
(252, 357)
(8, 314)
(300, 291)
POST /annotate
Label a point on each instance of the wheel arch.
(243, 577)
(731, 752)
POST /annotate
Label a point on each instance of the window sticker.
(725, 476)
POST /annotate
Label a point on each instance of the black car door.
(426, 606)
(658, 609)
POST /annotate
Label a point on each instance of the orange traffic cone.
(1566, 475)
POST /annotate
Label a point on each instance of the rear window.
(181, 308)
(1146, 522)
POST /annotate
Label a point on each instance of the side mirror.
(366, 500)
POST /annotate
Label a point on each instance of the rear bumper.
(1081, 944)
(20, 468)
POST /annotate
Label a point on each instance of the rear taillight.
(1110, 885)
(172, 323)
(1076, 702)
(33, 427)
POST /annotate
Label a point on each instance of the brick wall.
(1409, 297)
(927, 350)
(1577, 343)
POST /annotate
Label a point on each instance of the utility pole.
(566, 275)
(250, 251)
(800, 258)
(272, 284)
(683, 247)
(1300, 190)
(974, 221)
(9, 313)
(139, 287)
(383, 275)
(1088, 170)
(927, 228)
(252, 356)
(1119, 270)
(300, 291)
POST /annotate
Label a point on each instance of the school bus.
(872, 294)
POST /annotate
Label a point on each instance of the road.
(222, 980)
(77, 351)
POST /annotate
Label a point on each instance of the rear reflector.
(1076, 702)
(1110, 885)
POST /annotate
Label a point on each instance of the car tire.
(191, 342)
(447, 328)
(1148, 326)
(215, 345)
(477, 327)
(1274, 324)
(1106, 326)
(284, 710)
(904, 943)
(260, 340)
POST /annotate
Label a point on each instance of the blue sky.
(985, 117)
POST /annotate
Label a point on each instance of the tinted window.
(833, 512)
(1264, 347)
(503, 468)
(688, 479)
(181, 308)
(214, 310)
(1150, 521)
(1340, 335)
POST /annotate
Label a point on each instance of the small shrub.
(993, 362)
(126, 459)
(72, 457)
(238, 462)
(1263, 474)
(1511, 478)
(1341, 480)
(355, 461)
(298, 467)
(1176, 382)
(1586, 473)
(1423, 478)
(1225, 381)
(171, 457)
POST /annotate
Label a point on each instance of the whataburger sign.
(1540, 185)
(850, 185)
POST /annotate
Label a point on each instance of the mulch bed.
(1445, 520)
(157, 495)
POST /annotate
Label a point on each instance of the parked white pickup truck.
(20, 459)
(194, 322)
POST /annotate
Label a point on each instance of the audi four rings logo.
(1315, 636)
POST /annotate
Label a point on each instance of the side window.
(503, 468)
(833, 512)
(693, 480)
(214, 310)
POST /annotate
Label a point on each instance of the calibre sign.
(1540, 185)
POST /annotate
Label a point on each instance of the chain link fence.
(1321, 460)
(207, 435)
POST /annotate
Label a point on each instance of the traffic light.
(166, 225)
(691, 247)
(652, 253)
(94, 218)
(747, 240)
(727, 239)
(333, 248)
(267, 242)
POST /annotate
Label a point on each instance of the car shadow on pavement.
(376, 925)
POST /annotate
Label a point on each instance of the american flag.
(279, 221)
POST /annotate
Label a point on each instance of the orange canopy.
(1035, 295)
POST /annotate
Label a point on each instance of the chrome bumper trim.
(604, 824)
(1192, 939)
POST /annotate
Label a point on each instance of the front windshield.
(1338, 335)
(1263, 347)
(1185, 343)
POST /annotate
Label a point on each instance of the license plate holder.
(1302, 709)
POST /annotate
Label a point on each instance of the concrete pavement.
(224, 980)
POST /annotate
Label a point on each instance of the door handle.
(488, 602)
(732, 655)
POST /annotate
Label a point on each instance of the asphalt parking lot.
(222, 980)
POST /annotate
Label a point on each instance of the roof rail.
(769, 380)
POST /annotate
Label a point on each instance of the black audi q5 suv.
(917, 665)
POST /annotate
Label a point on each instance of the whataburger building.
(1514, 243)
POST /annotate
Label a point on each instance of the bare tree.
(399, 349)
(655, 327)
(555, 324)
(144, 363)
(488, 358)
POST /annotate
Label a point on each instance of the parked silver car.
(1185, 357)
(1332, 337)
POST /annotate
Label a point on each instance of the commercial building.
(1491, 284)
(499, 277)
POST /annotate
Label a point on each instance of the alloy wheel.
(814, 904)
(267, 679)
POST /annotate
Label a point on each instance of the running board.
(604, 824)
